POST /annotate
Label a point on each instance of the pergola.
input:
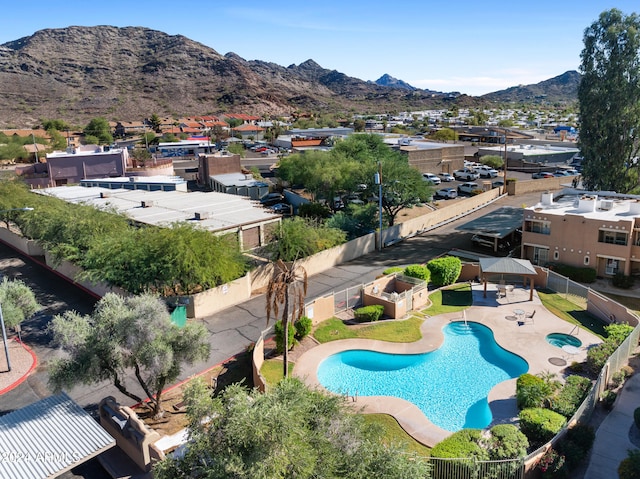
(509, 266)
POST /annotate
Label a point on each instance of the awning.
(48, 438)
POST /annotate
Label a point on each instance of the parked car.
(431, 178)
(561, 173)
(486, 171)
(446, 193)
(488, 242)
(466, 174)
(447, 177)
(271, 199)
(281, 208)
(497, 184)
(572, 171)
(469, 187)
(541, 174)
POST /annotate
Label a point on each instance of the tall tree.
(17, 301)
(287, 286)
(99, 128)
(288, 432)
(124, 334)
(609, 96)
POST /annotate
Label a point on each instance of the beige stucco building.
(586, 231)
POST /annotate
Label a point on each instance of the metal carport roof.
(497, 224)
(49, 437)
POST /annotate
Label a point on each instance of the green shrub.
(531, 391)
(464, 443)
(303, 327)
(314, 210)
(507, 442)
(608, 398)
(417, 271)
(621, 280)
(444, 271)
(617, 378)
(369, 313)
(630, 467)
(575, 445)
(636, 417)
(597, 356)
(393, 269)
(279, 333)
(575, 273)
(617, 332)
(573, 392)
(540, 425)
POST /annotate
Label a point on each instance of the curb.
(25, 375)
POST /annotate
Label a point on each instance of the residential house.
(589, 230)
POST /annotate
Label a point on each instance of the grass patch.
(450, 300)
(271, 371)
(392, 433)
(572, 313)
(406, 331)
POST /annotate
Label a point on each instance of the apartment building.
(587, 230)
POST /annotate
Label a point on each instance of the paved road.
(231, 330)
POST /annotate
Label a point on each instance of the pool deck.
(523, 337)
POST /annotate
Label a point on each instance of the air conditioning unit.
(202, 216)
(606, 204)
(104, 194)
(146, 204)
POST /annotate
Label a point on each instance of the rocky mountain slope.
(561, 88)
(79, 73)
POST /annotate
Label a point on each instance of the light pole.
(4, 331)
(377, 178)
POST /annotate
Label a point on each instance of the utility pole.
(378, 181)
(35, 146)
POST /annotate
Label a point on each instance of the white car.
(469, 187)
(466, 174)
(485, 171)
(431, 178)
(447, 177)
(447, 193)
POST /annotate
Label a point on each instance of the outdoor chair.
(529, 316)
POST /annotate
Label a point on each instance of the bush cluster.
(630, 467)
(444, 271)
(621, 280)
(393, 269)
(297, 331)
(531, 391)
(576, 444)
(575, 273)
(571, 395)
(540, 425)
(598, 355)
(303, 327)
(417, 271)
(369, 313)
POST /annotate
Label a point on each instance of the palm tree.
(287, 285)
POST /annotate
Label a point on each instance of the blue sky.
(468, 46)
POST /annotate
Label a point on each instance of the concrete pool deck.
(521, 336)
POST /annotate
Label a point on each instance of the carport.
(498, 224)
(48, 438)
(508, 266)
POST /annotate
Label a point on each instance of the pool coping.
(526, 340)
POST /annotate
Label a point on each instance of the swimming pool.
(561, 339)
(450, 385)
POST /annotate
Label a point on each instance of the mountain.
(557, 89)
(79, 73)
(388, 80)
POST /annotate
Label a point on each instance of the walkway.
(525, 338)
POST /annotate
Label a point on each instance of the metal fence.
(346, 299)
(473, 469)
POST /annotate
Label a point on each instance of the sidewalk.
(612, 437)
(23, 360)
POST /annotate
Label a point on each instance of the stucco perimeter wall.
(216, 299)
(543, 184)
(71, 271)
(321, 309)
(608, 310)
(430, 220)
(27, 246)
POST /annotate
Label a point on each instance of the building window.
(611, 266)
(540, 255)
(556, 255)
(540, 227)
(613, 237)
(586, 260)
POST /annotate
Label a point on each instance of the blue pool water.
(450, 385)
(561, 339)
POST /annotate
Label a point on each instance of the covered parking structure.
(48, 438)
(491, 267)
(499, 224)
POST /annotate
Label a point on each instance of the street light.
(377, 178)
(4, 331)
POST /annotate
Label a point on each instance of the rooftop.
(611, 207)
